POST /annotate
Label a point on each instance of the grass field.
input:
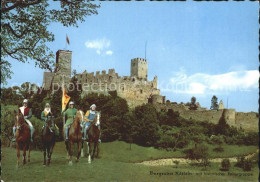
(117, 164)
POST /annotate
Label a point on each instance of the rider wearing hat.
(45, 114)
(27, 113)
(89, 117)
(70, 113)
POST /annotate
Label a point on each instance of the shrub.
(240, 162)
(218, 149)
(225, 164)
(199, 152)
(245, 164)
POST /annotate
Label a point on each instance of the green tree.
(222, 126)
(214, 103)
(37, 102)
(193, 105)
(74, 91)
(24, 32)
(146, 124)
(9, 96)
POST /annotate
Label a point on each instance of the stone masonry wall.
(247, 121)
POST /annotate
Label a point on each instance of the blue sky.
(196, 49)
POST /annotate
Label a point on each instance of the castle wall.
(136, 91)
(247, 121)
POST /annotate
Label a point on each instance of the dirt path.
(170, 161)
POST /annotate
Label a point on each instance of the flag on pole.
(67, 39)
(65, 99)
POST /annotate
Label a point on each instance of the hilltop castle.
(137, 90)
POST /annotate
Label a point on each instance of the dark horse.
(22, 137)
(75, 136)
(48, 139)
(93, 136)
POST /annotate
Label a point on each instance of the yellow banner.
(65, 99)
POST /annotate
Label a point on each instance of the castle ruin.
(137, 90)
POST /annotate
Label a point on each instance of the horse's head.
(49, 119)
(97, 117)
(79, 116)
(19, 119)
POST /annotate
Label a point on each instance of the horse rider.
(70, 113)
(89, 118)
(44, 115)
(27, 113)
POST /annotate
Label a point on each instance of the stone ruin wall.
(136, 91)
(247, 121)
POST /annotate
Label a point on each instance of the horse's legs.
(44, 153)
(29, 152)
(48, 153)
(18, 154)
(79, 150)
(94, 151)
(70, 152)
(24, 153)
(89, 152)
(98, 150)
(82, 149)
(51, 149)
(67, 148)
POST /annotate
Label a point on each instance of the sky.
(196, 49)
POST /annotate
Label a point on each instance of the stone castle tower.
(139, 67)
(62, 72)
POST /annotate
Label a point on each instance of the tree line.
(143, 125)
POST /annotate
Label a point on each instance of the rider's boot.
(14, 128)
(85, 134)
(31, 133)
(66, 133)
(99, 137)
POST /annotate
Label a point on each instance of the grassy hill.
(117, 164)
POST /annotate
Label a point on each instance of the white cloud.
(201, 83)
(98, 52)
(109, 52)
(99, 45)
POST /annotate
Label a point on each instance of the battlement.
(139, 68)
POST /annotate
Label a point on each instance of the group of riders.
(70, 113)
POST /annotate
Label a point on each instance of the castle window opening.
(141, 91)
(133, 80)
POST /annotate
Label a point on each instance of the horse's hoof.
(17, 167)
(70, 163)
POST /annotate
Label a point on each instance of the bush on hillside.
(225, 164)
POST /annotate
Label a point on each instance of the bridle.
(19, 127)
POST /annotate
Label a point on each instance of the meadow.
(118, 163)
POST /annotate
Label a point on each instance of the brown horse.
(93, 136)
(75, 136)
(22, 137)
(48, 139)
